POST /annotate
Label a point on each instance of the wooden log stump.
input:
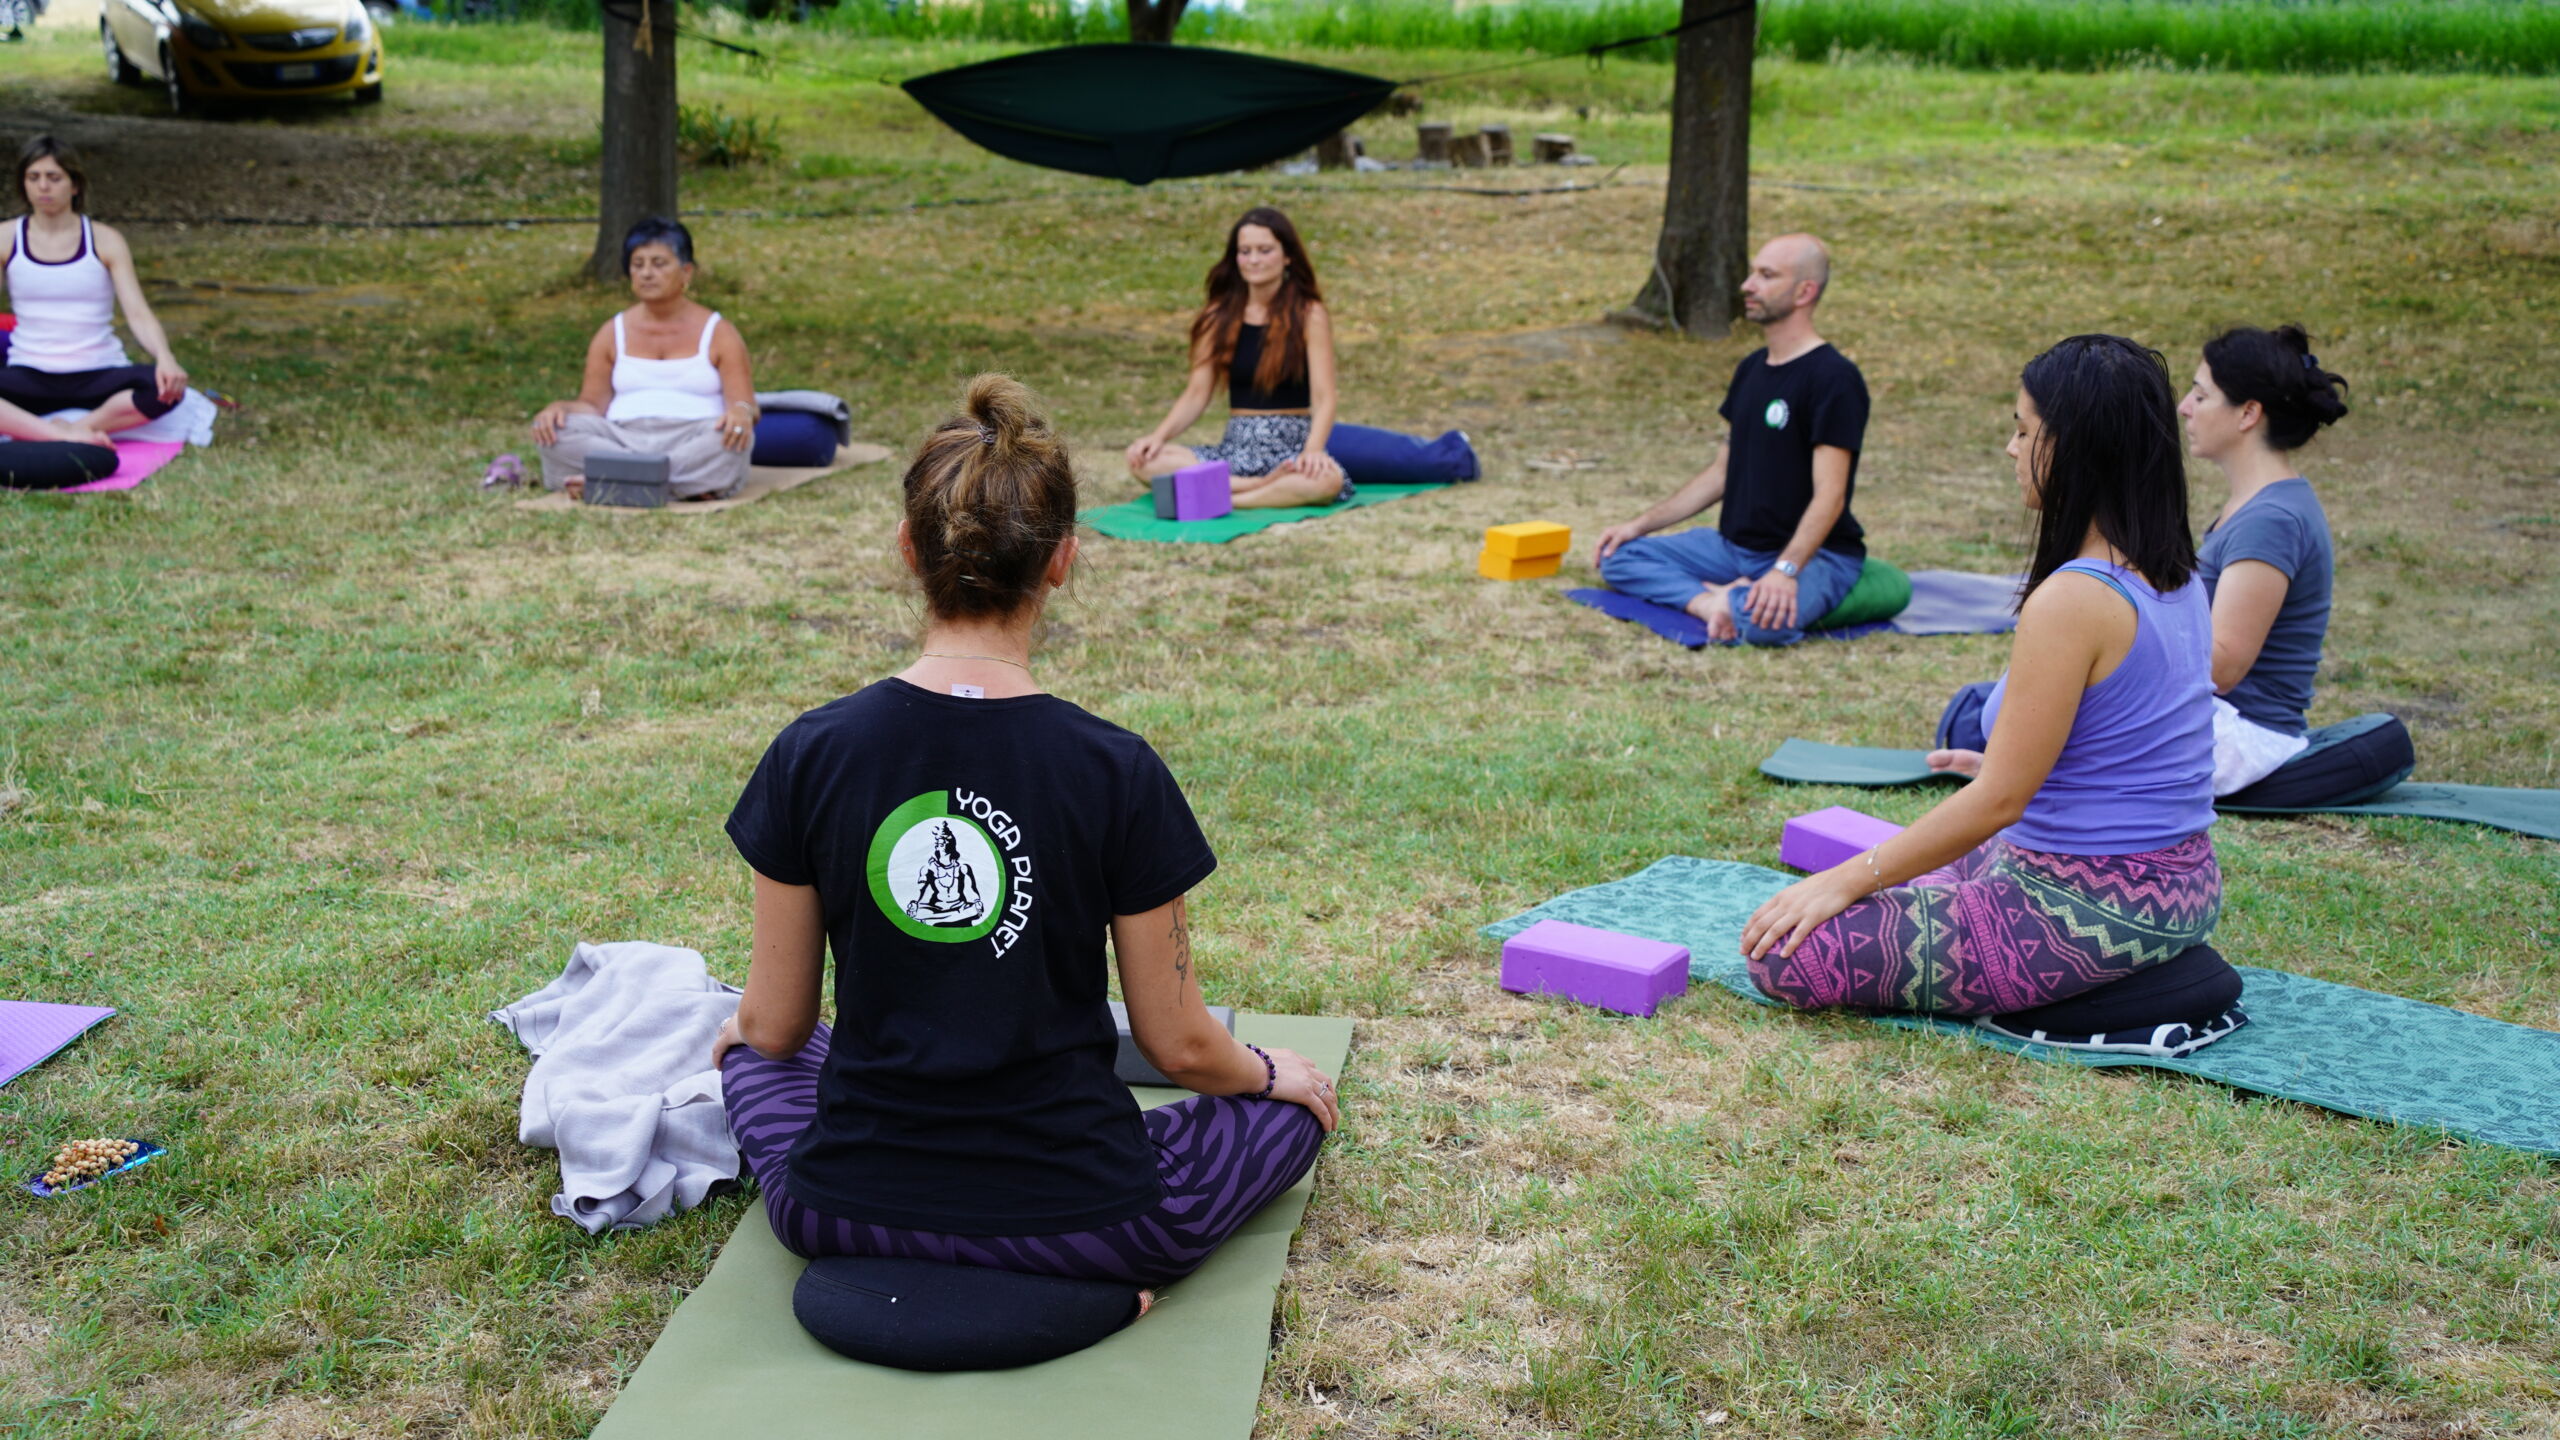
(1497, 144)
(1550, 147)
(1469, 151)
(1431, 142)
(1336, 151)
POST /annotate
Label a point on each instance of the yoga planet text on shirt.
(949, 866)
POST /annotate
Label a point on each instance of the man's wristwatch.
(1788, 568)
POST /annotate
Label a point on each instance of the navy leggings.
(1221, 1158)
(41, 392)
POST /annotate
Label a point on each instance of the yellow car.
(202, 50)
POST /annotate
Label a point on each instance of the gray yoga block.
(1132, 1067)
(619, 477)
(1166, 506)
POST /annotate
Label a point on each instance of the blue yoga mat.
(2526, 812)
(1682, 628)
(2358, 1052)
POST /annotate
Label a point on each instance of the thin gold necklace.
(1000, 660)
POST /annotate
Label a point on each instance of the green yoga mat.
(1136, 519)
(2526, 812)
(733, 1360)
(2353, 1051)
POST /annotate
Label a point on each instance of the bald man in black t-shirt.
(1785, 548)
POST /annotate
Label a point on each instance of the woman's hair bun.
(2277, 369)
(990, 498)
(1003, 408)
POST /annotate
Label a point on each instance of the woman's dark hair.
(2110, 455)
(656, 230)
(990, 497)
(46, 147)
(2277, 369)
(1284, 345)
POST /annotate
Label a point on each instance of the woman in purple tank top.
(2079, 853)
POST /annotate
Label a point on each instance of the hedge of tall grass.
(2501, 36)
(2517, 37)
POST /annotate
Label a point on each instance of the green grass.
(2302, 36)
(317, 754)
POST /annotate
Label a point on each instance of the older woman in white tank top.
(666, 377)
(66, 276)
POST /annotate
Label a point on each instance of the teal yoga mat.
(1136, 519)
(733, 1361)
(2526, 812)
(2354, 1051)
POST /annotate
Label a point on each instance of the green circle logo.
(935, 872)
(1776, 415)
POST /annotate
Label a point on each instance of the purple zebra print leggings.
(2003, 929)
(1221, 1158)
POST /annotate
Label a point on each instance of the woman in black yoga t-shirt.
(964, 842)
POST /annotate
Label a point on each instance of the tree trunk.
(1151, 22)
(639, 126)
(1705, 249)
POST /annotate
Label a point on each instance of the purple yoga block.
(1826, 837)
(1196, 492)
(1596, 967)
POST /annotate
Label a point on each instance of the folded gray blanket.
(813, 402)
(622, 1084)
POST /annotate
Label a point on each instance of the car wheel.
(180, 102)
(369, 94)
(119, 69)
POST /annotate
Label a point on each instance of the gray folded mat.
(2526, 812)
(2354, 1051)
(733, 1360)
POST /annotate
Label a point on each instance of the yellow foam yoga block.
(1528, 540)
(1515, 567)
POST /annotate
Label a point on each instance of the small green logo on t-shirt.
(1777, 415)
(935, 872)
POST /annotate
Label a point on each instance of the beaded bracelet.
(1270, 1073)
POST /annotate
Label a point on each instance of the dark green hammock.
(1142, 113)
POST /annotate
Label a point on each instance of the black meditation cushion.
(926, 1315)
(53, 464)
(2191, 987)
(2347, 764)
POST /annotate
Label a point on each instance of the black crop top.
(1243, 394)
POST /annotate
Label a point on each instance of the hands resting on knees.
(1296, 1080)
(1315, 465)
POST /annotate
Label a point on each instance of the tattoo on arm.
(1180, 935)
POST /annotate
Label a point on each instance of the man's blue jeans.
(1671, 569)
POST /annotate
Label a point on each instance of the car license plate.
(297, 72)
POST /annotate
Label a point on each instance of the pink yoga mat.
(30, 1032)
(135, 460)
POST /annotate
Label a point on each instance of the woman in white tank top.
(66, 277)
(666, 377)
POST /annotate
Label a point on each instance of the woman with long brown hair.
(1263, 326)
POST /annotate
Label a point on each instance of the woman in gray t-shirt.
(2260, 395)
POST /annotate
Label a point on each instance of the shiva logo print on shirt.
(949, 866)
(1776, 415)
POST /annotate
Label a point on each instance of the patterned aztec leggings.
(1221, 1157)
(2004, 929)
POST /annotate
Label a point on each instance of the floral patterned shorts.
(1260, 444)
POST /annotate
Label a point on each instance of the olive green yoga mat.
(2355, 1051)
(2526, 812)
(732, 1360)
(1136, 519)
